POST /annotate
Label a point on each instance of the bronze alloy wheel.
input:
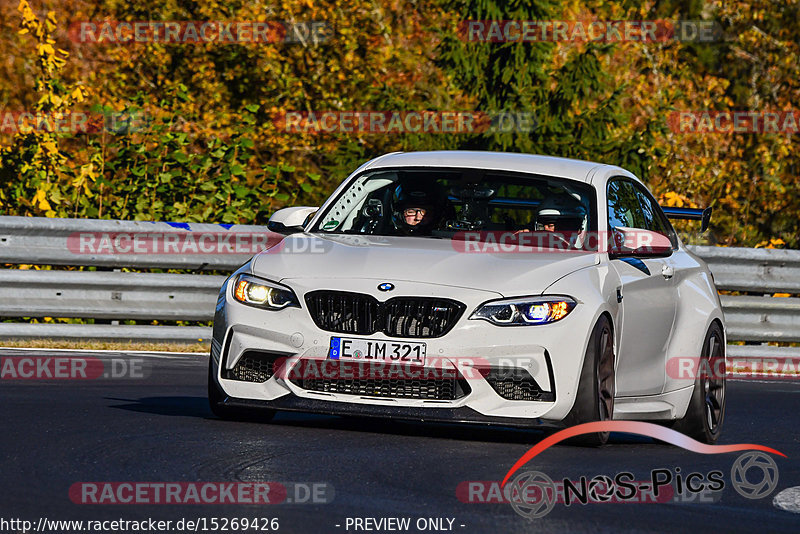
(706, 410)
(713, 384)
(595, 398)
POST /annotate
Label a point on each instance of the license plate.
(347, 348)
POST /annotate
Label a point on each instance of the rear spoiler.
(695, 214)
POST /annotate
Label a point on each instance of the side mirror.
(638, 243)
(291, 220)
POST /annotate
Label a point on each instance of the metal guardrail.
(107, 243)
(108, 295)
(116, 296)
(758, 316)
(753, 269)
(763, 319)
(763, 351)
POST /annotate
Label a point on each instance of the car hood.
(515, 272)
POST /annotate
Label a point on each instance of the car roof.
(545, 165)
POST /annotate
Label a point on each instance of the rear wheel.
(703, 419)
(595, 398)
(216, 397)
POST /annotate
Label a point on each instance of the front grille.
(348, 378)
(253, 367)
(420, 317)
(513, 383)
(346, 313)
(356, 313)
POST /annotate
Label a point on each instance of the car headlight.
(525, 311)
(263, 294)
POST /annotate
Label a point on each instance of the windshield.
(442, 203)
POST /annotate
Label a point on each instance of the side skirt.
(666, 406)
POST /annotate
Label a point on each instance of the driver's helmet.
(427, 195)
(562, 210)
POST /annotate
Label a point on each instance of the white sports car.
(476, 287)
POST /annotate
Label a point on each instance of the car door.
(648, 295)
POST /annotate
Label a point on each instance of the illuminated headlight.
(525, 311)
(263, 294)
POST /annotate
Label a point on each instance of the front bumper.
(464, 414)
(552, 355)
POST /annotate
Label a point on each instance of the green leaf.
(180, 157)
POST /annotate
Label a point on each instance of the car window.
(449, 201)
(624, 208)
(654, 218)
(629, 204)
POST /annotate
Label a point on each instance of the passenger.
(563, 216)
(560, 213)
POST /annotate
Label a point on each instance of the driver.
(560, 212)
(416, 208)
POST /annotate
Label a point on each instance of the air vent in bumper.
(514, 383)
(254, 366)
(350, 379)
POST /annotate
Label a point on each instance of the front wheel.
(594, 400)
(703, 419)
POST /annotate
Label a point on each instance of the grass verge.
(105, 345)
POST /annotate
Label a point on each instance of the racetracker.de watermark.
(72, 368)
(733, 367)
(73, 122)
(525, 241)
(157, 243)
(581, 31)
(378, 362)
(176, 493)
(200, 32)
(734, 122)
(599, 489)
(403, 122)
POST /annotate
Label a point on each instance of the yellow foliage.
(50, 146)
(40, 199)
(77, 95)
(774, 242)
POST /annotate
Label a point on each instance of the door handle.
(667, 271)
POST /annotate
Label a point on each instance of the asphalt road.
(156, 427)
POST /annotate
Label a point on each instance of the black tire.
(595, 398)
(216, 398)
(706, 411)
